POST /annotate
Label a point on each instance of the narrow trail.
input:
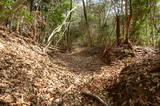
(89, 72)
(82, 62)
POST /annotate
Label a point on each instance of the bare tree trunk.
(128, 22)
(89, 40)
(35, 27)
(18, 25)
(122, 20)
(118, 30)
(68, 30)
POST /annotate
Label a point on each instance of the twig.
(95, 97)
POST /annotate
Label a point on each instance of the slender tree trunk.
(68, 30)
(35, 27)
(128, 22)
(18, 25)
(122, 20)
(118, 29)
(89, 40)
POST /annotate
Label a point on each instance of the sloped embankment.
(138, 84)
(26, 74)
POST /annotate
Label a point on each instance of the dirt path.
(89, 72)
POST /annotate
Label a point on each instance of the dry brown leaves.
(138, 84)
(28, 76)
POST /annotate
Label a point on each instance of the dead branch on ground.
(95, 97)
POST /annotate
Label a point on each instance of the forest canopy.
(93, 22)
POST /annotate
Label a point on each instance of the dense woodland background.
(92, 22)
(79, 52)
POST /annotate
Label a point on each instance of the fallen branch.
(95, 97)
(59, 28)
(62, 35)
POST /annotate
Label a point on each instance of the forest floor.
(30, 76)
(92, 75)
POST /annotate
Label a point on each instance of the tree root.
(95, 97)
